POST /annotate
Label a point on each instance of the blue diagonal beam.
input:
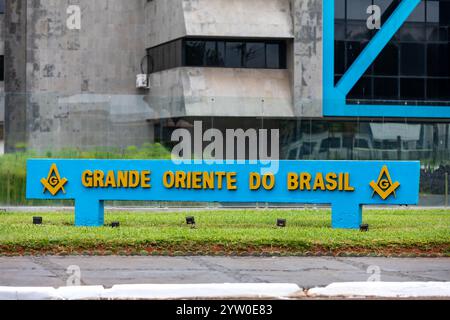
(376, 45)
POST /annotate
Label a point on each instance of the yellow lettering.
(122, 179)
(145, 179)
(292, 181)
(255, 181)
(87, 179)
(180, 180)
(196, 180)
(331, 181)
(133, 181)
(319, 182)
(231, 181)
(348, 187)
(220, 176)
(99, 176)
(169, 179)
(269, 181)
(305, 181)
(110, 180)
(341, 181)
(208, 180)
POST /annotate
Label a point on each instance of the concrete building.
(295, 65)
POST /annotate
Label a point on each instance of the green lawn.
(239, 232)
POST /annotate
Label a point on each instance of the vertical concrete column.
(15, 74)
(307, 16)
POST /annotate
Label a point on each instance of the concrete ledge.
(11, 293)
(384, 290)
(393, 290)
(155, 292)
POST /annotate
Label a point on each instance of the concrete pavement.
(307, 272)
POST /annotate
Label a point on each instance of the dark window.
(330, 143)
(274, 56)
(415, 65)
(255, 55)
(339, 56)
(195, 53)
(386, 88)
(165, 56)
(362, 90)
(218, 53)
(234, 55)
(361, 143)
(210, 55)
(438, 89)
(386, 64)
(412, 60)
(354, 49)
(444, 13)
(2, 6)
(412, 89)
(438, 60)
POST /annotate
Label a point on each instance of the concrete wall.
(67, 70)
(76, 88)
(172, 19)
(300, 20)
(221, 92)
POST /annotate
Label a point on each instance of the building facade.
(341, 79)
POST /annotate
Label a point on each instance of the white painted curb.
(237, 290)
(180, 291)
(384, 290)
(155, 292)
(10, 293)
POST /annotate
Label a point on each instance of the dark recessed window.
(386, 89)
(274, 54)
(438, 89)
(195, 53)
(362, 90)
(236, 54)
(2, 6)
(414, 66)
(255, 55)
(386, 63)
(438, 60)
(269, 54)
(165, 56)
(234, 57)
(412, 88)
(339, 57)
(412, 59)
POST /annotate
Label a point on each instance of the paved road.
(306, 272)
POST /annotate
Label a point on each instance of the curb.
(390, 290)
(154, 292)
(383, 290)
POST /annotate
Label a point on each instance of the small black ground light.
(190, 221)
(364, 228)
(115, 224)
(281, 223)
(37, 220)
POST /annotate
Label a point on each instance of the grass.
(240, 232)
(13, 166)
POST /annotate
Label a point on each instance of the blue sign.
(346, 185)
